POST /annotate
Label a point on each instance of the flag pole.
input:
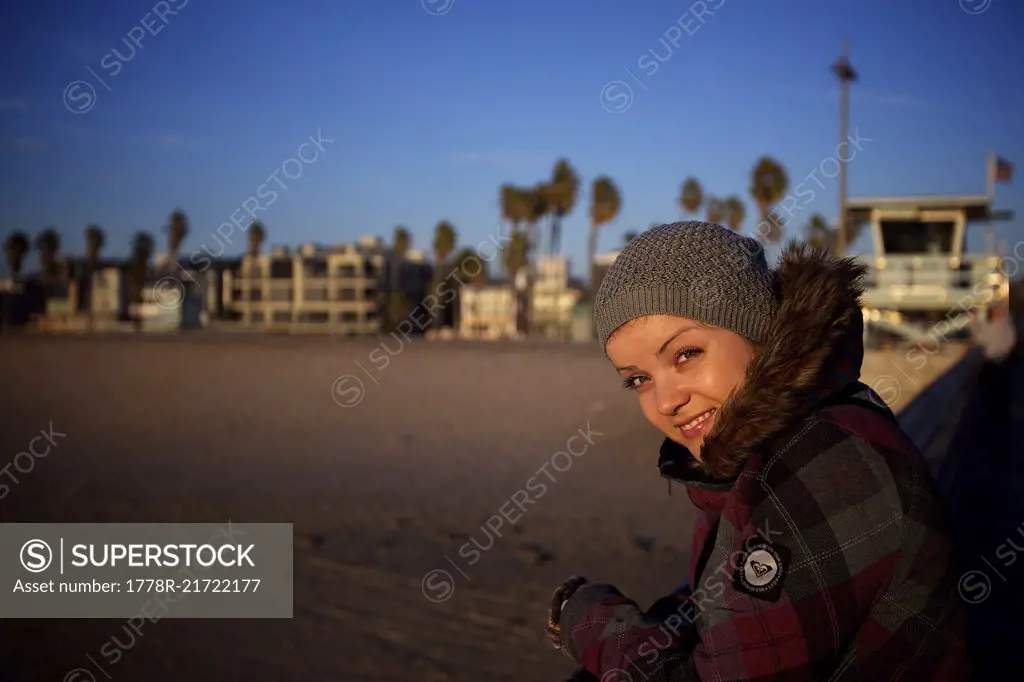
(991, 170)
(991, 179)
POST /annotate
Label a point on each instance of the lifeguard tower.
(920, 276)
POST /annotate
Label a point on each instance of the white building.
(487, 311)
(337, 289)
(553, 299)
(310, 290)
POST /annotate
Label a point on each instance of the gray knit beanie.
(697, 270)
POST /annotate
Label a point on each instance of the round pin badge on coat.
(760, 568)
(763, 569)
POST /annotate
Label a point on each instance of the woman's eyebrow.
(688, 328)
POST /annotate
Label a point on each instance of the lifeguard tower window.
(917, 237)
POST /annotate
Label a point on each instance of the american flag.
(1002, 170)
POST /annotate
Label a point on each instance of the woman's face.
(681, 371)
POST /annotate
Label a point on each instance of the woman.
(996, 333)
(823, 552)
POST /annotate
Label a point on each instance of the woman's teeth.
(698, 421)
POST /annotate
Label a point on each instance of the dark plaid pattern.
(824, 556)
(868, 593)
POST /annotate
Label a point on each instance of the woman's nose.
(670, 399)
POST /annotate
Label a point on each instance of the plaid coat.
(823, 552)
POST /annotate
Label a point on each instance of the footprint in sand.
(535, 555)
(458, 536)
(644, 544)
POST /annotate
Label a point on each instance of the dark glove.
(558, 598)
(669, 604)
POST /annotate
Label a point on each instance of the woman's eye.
(687, 354)
(633, 383)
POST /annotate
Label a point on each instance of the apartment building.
(312, 288)
(487, 311)
(321, 289)
(506, 310)
(177, 293)
(553, 298)
(108, 295)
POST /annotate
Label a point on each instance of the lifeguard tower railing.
(921, 279)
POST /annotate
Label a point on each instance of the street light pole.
(846, 74)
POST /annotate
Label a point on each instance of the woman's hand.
(558, 599)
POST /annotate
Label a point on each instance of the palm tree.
(514, 209)
(520, 207)
(562, 191)
(401, 243)
(717, 210)
(691, 196)
(605, 202)
(142, 251)
(48, 243)
(538, 205)
(819, 234)
(736, 212)
(94, 241)
(473, 274)
(768, 184)
(444, 243)
(257, 234)
(544, 207)
(15, 249)
(177, 230)
(516, 257)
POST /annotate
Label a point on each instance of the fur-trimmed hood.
(814, 348)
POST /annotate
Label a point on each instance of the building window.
(256, 295)
(316, 294)
(317, 268)
(348, 317)
(282, 316)
(281, 269)
(346, 294)
(370, 295)
(284, 294)
(316, 317)
(917, 237)
(257, 316)
(347, 271)
(236, 294)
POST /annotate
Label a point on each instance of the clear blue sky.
(430, 114)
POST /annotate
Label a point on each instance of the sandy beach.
(386, 472)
